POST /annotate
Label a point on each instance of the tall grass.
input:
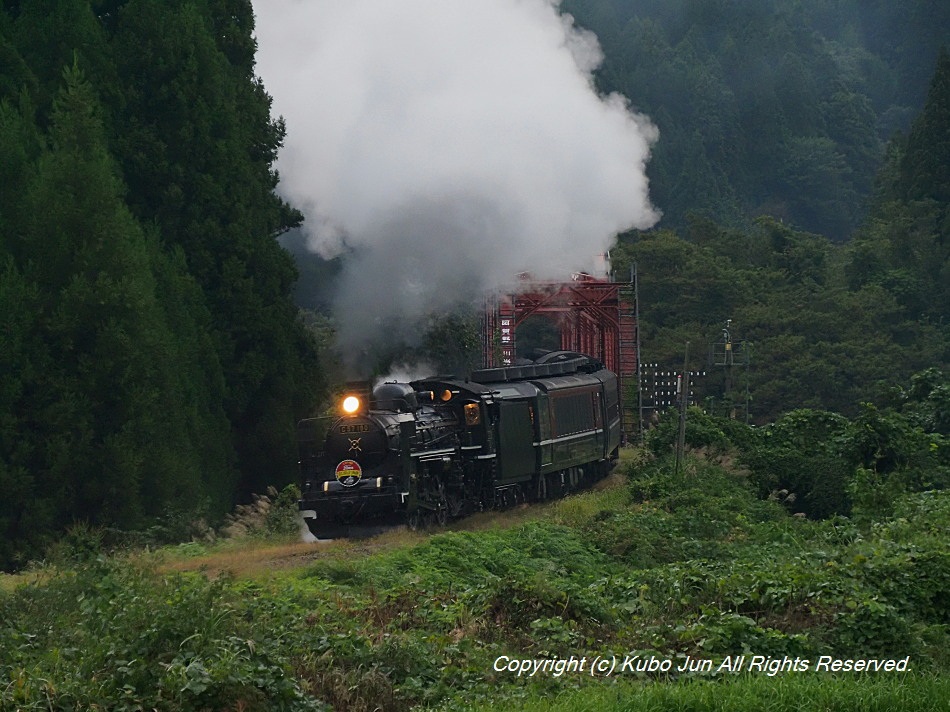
(798, 692)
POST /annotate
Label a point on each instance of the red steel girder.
(595, 316)
(590, 312)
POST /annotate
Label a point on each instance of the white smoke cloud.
(449, 144)
(406, 373)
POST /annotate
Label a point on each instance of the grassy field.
(792, 693)
(650, 564)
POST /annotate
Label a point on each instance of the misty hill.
(765, 106)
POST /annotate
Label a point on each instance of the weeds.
(690, 564)
(790, 693)
(274, 513)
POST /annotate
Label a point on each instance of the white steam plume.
(448, 144)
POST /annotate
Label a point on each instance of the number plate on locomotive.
(357, 428)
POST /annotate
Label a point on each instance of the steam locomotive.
(440, 448)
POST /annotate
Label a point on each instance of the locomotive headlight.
(351, 404)
(446, 395)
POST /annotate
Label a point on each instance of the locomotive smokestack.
(447, 145)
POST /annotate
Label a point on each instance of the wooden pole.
(684, 399)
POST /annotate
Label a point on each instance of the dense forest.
(768, 107)
(152, 361)
(803, 170)
(829, 325)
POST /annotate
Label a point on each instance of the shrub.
(113, 636)
(268, 514)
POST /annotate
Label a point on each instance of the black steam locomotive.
(440, 448)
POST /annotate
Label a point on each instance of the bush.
(271, 514)
(712, 432)
(113, 636)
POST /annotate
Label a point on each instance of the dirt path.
(251, 558)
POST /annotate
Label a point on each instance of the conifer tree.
(925, 169)
(906, 246)
(197, 152)
(27, 512)
(52, 34)
(118, 411)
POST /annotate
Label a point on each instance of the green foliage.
(815, 344)
(820, 464)
(196, 153)
(768, 107)
(708, 570)
(155, 358)
(927, 401)
(151, 361)
(80, 545)
(924, 169)
(446, 343)
(114, 637)
(794, 596)
(905, 247)
(517, 571)
(113, 427)
(786, 693)
(283, 518)
(831, 326)
(680, 516)
(797, 460)
(702, 431)
(453, 343)
(892, 457)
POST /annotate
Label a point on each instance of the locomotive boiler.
(440, 448)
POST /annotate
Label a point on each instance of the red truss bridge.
(595, 316)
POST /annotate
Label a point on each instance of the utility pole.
(683, 387)
(729, 359)
(730, 355)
